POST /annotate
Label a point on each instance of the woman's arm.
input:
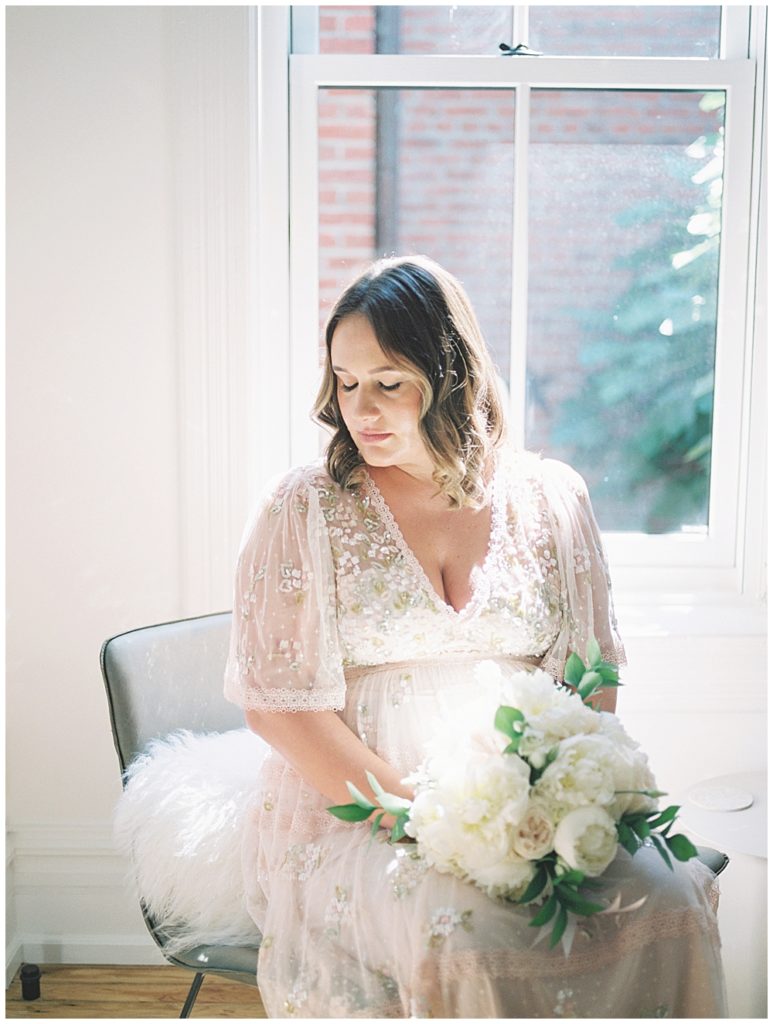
(326, 754)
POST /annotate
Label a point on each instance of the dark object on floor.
(30, 981)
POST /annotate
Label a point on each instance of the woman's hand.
(327, 754)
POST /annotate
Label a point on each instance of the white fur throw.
(179, 820)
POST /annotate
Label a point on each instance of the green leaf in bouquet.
(535, 886)
(681, 847)
(663, 817)
(398, 829)
(654, 793)
(576, 903)
(608, 673)
(570, 876)
(656, 842)
(350, 812)
(593, 652)
(375, 785)
(591, 681)
(628, 839)
(359, 799)
(545, 912)
(574, 670)
(559, 927)
(394, 804)
(376, 824)
(665, 831)
(513, 746)
(505, 719)
(641, 827)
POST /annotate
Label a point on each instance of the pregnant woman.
(369, 585)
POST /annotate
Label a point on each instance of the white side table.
(742, 834)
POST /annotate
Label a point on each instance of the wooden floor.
(69, 991)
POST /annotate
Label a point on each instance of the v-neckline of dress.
(477, 574)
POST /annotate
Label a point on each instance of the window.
(597, 210)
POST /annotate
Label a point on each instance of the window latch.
(521, 50)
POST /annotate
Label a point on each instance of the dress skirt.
(354, 926)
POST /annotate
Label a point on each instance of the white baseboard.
(14, 958)
(70, 899)
(91, 949)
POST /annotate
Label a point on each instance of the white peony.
(586, 840)
(462, 822)
(551, 714)
(634, 772)
(532, 837)
(587, 770)
(509, 877)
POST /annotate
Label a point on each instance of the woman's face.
(379, 402)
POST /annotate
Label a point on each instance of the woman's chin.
(375, 458)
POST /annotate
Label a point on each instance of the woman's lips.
(372, 438)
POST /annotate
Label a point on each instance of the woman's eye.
(384, 387)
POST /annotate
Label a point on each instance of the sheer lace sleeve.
(283, 652)
(586, 596)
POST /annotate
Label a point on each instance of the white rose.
(586, 840)
(532, 838)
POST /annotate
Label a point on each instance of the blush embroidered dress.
(332, 611)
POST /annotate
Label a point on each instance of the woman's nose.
(366, 404)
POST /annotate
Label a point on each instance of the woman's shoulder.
(549, 474)
(301, 482)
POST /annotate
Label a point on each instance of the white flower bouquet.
(531, 803)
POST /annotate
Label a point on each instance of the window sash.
(715, 552)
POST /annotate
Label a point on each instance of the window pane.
(430, 29)
(429, 171)
(625, 31)
(624, 219)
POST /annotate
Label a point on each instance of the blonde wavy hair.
(425, 324)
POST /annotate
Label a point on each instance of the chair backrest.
(167, 677)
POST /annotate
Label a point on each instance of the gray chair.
(168, 677)
(159, 679)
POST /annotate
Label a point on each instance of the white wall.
(105, 426)
(93, 515)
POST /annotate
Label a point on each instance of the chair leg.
(192, 995)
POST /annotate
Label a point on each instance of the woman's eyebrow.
(378, 369)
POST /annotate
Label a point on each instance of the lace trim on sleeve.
(614, 653)
(290, 700)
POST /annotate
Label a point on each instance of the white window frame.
(664, 584)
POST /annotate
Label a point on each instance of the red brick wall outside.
(593, 154)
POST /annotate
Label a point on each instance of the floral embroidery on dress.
(380, 587)
(401, 693)
(446, 920)
(388, 984)
(406, 871)
(565, 1007)
(364, 723)
(299, 992)
(292, 651)
(302, 859)
(293, 579)
(337, 911)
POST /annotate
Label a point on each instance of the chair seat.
(238, 962)
(713, 859)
